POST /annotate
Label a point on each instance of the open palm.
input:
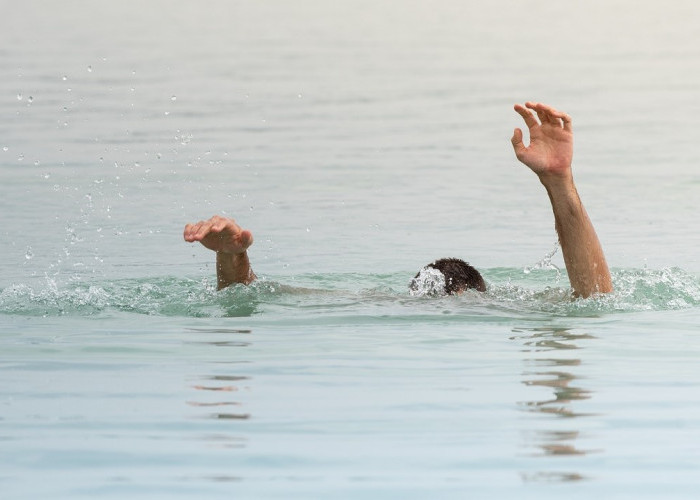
(551, 146)
(220, 234)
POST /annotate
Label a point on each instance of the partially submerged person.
(548, 155)
(446, 277)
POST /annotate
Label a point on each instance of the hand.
(220, 234)
(551, 146)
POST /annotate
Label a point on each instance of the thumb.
(245, 238)
(517, 141)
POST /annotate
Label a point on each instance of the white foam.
(429, 282)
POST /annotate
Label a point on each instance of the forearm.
(583, 253)
(233, 268)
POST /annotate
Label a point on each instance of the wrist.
(557, 181)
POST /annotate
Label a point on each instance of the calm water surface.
(359, 141)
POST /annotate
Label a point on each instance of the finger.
(554, 116)
(541, 111)
(202, 230)
(191, 231)
(549, 109)
(527, 115)
(216, 219)
(517, 141)
(221, 224)
(245, 238)
(568, 126)
(543, 115)
(187, 232)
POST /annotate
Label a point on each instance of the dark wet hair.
(459, 275)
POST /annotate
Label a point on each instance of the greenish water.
(358, 141)
(334, 298)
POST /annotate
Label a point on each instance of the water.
(359, 141)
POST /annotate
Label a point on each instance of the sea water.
(358, 141)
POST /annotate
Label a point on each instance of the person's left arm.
(549, 155)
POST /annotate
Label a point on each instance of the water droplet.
(47, 175)
(29, 254)
(20, 158)
(299, 96)
(166, 113)
(5, 148)
(64, 78)
(37, 163)
(173, 98)
(308, 229)
(89, 68)
(19, 97)
(30, 99)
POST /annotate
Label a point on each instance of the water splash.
(634, 290)
(546, 262)
(347, 295)
(429, 282)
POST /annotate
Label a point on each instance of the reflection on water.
(224, 441)
(216, 390)
(556, 374)
(552, 477)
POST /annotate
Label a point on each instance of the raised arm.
(230, 242)
(549, 155)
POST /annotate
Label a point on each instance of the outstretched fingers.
(550, 115)
(191, 231)
(203, 229)
(220, 234)
(219, 223)
(527, 115)
(199, 230)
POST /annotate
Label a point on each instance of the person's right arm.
(230, 242)
(549, 155)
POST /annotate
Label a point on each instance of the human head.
(447, 276)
